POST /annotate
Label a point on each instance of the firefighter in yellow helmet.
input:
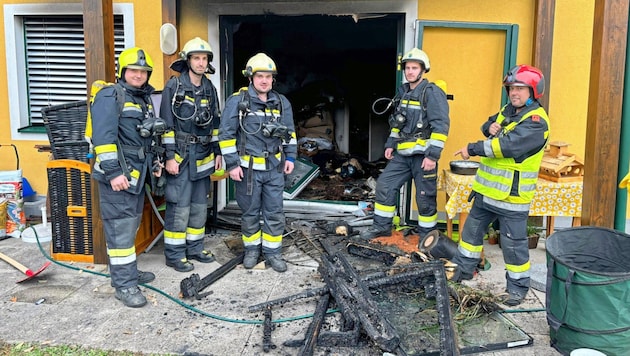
(190, 107)
(505, 182)
(419, 126)
(123, 137)
(259, 145)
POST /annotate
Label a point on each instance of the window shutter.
(55, 60)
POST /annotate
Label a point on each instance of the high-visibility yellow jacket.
(507, 173)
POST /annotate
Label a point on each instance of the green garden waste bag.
(588, 290)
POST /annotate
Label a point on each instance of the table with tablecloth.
(552, 199)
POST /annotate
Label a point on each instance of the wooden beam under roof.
(543, 42)
(98, 30)
(610, 32)
(169, 15)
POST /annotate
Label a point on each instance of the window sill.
(33, 129)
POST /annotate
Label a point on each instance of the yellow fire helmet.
(134, 58)
(260, 63)
(417, 55)
(196, 45)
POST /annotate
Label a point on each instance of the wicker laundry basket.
(65, 125)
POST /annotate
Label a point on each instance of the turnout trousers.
(186, 214)
(513, 228)
(121, 213)
(398, 171)
(265, 202)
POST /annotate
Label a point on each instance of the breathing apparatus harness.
(270, 128)
(201, 118)
(152, 126)
(398, 118)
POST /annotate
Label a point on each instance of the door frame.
(357, 9)
(509, 60)
(511, 38)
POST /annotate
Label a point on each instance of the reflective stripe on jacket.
(427, 122)
(116, 138)
(241, 136)
(496, 174)
(193, 124)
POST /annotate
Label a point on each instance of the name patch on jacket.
(535, 118)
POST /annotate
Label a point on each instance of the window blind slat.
(55, 59)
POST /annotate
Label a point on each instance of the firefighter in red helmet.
(505, 182)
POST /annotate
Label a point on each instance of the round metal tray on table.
(464, 167)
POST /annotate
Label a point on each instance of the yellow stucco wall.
(148, 15)
(467, 73)
(568, 91)
(195, 21)
(471, 63)
(477, 57)
(570, 73)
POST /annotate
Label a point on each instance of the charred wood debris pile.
(362, 278)
(342, 177)
(383, 298)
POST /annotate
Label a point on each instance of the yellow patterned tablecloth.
(551, 199)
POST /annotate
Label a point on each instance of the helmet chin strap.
(195, 72)
(417, 79)
(192, 70)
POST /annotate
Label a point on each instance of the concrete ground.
(72, 303)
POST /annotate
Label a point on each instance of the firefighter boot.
(131, 297)
(276, 262)
(203, 257)
(374, 232)
(145, 277)
(514, 299)
(251, 258)
(181, 265)
(457, 275)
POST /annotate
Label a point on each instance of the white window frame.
(15, 55)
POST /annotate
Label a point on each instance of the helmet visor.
(134, 66)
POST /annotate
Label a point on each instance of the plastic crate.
(69, 188)
(33, 206)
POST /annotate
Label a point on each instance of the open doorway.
(332, 69)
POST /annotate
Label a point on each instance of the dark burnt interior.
(326, 63)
